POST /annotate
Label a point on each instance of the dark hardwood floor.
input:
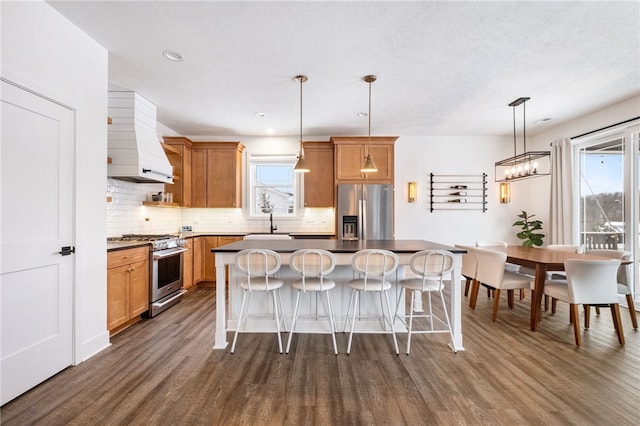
(163, 371)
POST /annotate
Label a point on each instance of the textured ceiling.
(443, 68)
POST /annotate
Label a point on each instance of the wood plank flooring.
(163, 371)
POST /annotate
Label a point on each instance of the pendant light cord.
(369, 139)
(514, 131)
(301, 153)
(524, 125)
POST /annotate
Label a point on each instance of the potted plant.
(529, 230)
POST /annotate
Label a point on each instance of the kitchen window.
(273, 186)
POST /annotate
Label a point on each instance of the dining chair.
(558, 275)
(589, 282)
(430, 268)
(508, 266)
(256, 269)
(372, 267)
(313, 266)
(469, 268)
(622, 277)
(492, 273)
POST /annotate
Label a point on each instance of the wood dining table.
(540, 260)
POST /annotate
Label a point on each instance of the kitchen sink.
(267, 236)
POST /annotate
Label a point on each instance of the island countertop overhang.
(337, 246)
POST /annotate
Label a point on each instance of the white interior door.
(36, 281)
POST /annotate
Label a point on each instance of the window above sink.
(273, 186)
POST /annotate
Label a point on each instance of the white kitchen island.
(343, 251)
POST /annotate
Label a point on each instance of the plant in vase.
(529, 227)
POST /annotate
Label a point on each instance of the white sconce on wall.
(413, 192)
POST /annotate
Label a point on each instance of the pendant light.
(369, 166)
(529, 163)
(301, 164)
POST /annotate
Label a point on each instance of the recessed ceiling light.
(172, 56)
(261, 114)
(362, 114)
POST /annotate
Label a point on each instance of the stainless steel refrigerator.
(365, 212)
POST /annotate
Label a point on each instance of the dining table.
(541, 260)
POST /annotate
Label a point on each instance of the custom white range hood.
(133, 145)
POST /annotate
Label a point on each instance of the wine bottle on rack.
(459, 187)
(459, 193)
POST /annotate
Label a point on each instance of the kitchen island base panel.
(225, 256)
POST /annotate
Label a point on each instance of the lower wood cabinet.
(127, 287)
(187, 265)
(204, 263)
(208, 259)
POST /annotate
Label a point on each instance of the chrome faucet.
(272, 227)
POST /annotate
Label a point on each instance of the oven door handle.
(160, 255)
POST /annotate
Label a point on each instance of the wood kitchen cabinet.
(208, 259)
(216, 173)
(204, 264)
(187, 265)
(349, 153)
(319, 181)
(198, 259)
(178, 150)
(127, 287)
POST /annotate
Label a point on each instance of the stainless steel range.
(165, 268)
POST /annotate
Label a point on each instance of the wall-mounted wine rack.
(458, 192)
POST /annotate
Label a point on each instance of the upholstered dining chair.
(557, 275)
(589, 282)
(256, 268)
(492, 273)
(508, 266)
(313, 265)
(469, 268)
(372, 267)
(430, 268)
(624, 286)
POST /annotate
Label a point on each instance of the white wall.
(417, 157)
(43, 51)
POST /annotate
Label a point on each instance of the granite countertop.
(338, 246)
(123, 245)
(242, 234)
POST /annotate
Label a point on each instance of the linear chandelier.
(528, 164)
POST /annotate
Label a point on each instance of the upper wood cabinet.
(349, 153)
(216, 172)
(319, 181)
(178, 150)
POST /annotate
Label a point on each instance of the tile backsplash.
(127, 215)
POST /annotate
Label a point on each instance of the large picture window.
(273, 186)
(602, 195)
